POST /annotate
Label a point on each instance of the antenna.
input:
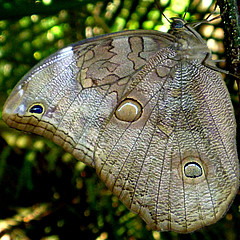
(160, 9)
(207, 20)
(185, 13)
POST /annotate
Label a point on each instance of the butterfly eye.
(36, 109)
(177, 23)
(193, 170)
(129, 110)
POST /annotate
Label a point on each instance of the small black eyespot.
(38, 109)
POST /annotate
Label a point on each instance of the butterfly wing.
(176, 165)
(148, 122)
(75, 88)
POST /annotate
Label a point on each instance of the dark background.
(44, 192)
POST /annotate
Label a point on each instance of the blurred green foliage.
(44, 192)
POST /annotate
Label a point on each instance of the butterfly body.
(144, 111)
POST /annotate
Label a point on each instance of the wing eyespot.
(129, 110)
(193, 170)
(36, 109)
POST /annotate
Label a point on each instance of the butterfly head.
(177, 23)
(187, 39)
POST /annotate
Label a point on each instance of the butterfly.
(146, 110)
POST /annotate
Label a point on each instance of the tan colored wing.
(176, 165)
(157, 125)
(69, 95)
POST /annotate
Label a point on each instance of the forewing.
(70, 95)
